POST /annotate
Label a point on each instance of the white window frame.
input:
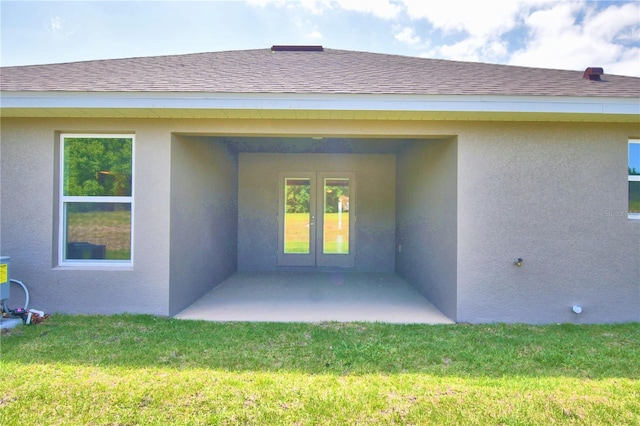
(64, 199)
(632, 178)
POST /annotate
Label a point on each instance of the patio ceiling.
(315, 145)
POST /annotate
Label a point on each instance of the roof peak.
(296, 48)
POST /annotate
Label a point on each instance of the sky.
(561, 34)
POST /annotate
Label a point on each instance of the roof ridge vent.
(593, 73)
(294, 48)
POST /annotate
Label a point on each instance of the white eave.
(314, 106)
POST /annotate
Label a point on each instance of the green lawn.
(296, 235)
(296, 238)
(128, 370)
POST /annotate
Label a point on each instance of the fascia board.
(322, 102)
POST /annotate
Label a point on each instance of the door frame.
(316, 256)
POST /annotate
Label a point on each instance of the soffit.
(316, 115)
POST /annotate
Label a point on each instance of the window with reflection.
(634, 179)
(96, 199)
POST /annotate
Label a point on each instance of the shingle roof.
(312, 72)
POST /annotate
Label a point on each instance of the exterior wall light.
(518, 262)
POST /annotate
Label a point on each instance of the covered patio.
(228, 222)
(315, 297)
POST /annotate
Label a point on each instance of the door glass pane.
(297, 220)
(336, 216)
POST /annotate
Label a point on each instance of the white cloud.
(58, 27)
(627, 64)
(381, 8)
(569, 34)
(264, 3)
(566, 34)
(476, 18)
(407, 35)
(630, 35)
(317, 7)
(384, 9)
(473, 49)
(558, 40)
(478, 26)
(314, 35)
(56, 24)
(614, 20)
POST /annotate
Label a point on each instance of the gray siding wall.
(28, 232)
(555, 195)
(258, 206)
(204, 218)
(427, 221)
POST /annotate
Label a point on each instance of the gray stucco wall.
(258, 204)
(204, 218)
(28, 232)
(426, 239)
(555, 195)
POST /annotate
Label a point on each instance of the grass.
(149, 370)
(296, 234)
(296, 238)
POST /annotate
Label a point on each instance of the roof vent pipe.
(293, 48)
(593, 73)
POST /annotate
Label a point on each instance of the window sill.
(94, 267)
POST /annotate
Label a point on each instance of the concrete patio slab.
(315, 297)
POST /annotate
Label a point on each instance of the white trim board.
(15, 103)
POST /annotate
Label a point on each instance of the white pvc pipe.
(26, 293)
